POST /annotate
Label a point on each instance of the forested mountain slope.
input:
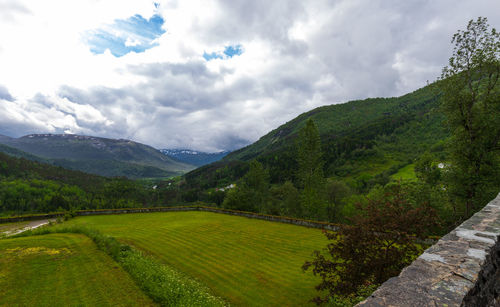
(30, 186)
(360, 140)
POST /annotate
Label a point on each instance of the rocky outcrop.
(461, 269)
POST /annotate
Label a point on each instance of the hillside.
(193, 157)
(28, 186)
(361, 140)
(20, 154)
(102, 156)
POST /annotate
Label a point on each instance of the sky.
(212, 75)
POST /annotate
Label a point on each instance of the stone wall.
(274, 218)
(34, 217)
(461, 269)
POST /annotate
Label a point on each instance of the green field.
(405, 173)
(248, 262)
(63, 270)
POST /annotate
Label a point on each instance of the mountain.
(102, 156)
(193, 157)
(4, 138)
(20, 154)
(362, 140)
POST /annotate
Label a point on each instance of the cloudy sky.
(212, 74)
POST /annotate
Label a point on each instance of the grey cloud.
(10, 8)
(246, 20)
(4, 94)
(363, 49)
(183, 108)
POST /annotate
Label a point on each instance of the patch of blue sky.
(229, 52)
(135, 34)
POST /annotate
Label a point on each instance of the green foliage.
(336, 193)
(63, 270)
(427, 170)
(309, 157)
(285, 200)
(164, 285)
(363, 143)
(248, 262)
(310, 171)
(361, 294)
(28, 186)
(471, 102)
(251, 192)
(378, 244)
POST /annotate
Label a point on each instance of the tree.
(310, 171)
(284, 200)
(471, 102)
(336, 191)
(426, 170)
(251, 192)
(378, 244)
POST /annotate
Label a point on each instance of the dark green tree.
(380, 241)
(284, 200)
(251, 192)
(336, 191)
(471, 102)
(310, 171)
(426, 169)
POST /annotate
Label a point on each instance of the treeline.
(27, 186)
(363, 143)
(308, 192)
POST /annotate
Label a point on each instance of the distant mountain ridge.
(96, 155)
(194, 157)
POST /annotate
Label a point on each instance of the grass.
(248, 262)
(161, 283)
(405, 173)
(63, 270)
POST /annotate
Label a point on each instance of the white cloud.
(297, 55)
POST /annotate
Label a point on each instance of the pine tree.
(251, 192)
(310, 171)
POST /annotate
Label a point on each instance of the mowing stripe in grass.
(63, 270)
(248, 261)
(163, 284)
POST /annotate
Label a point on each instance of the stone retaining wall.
(274, 218)
(461, 269)
(30, 217)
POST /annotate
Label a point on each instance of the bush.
(379, 243)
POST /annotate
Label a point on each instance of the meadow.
(63, 270)
(245, 261)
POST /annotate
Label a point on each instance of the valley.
(249, 153)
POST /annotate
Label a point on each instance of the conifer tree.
(310, 171)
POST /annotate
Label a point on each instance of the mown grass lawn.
(405, 173)
(63, 270)
(246, 261)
